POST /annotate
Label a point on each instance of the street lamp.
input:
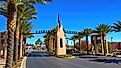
(111, 39)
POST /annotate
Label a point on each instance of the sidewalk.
(23, 63)
(2, 63)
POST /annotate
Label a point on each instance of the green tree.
(22, 10)
(86, 32)
(103, 30)
(50, 34)
(80, 36)
(11, 26)
(38, 41)
(74, 38)
(117, 26)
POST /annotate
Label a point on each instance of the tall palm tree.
(11, 24)
(27, 9)
(26, 33)
(24, 27)
(103, 30)
(80, 36)
(74, 38)
(4, 12)
(87, 32)
(117, 26)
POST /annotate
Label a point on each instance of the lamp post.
(111, 43)
(111, 39)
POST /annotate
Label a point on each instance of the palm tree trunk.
(80, 44)
(21, 45)
(74, 43)
(106, 45)
(11, 23)
(102, 46)
(19, 48)
(16, 37)
(87, 44)
(24, 42)
(96, 45)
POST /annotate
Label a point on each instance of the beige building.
(60, 39)
(3, 44)
(57, 42)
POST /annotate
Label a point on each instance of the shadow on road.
(100, 59)
(38, 54)
(107, 60)
(88, 57)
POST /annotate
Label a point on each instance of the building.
(3, 44)
(29, 48)
(116, 46)
(57, 44)
(83, 45)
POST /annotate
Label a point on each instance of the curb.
(23, 63)
(70, 57)
(67, 57)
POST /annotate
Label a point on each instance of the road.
(42, 60)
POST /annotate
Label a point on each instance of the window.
(53, 43)
(61, 42)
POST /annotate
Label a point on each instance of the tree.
(11, 25)
(38, 41)
(48, 36)
(103, 30)
(117, 26)
(80, 36)
(87, 32)
(25, 12)
(74, 38)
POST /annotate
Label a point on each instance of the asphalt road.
(42, 60)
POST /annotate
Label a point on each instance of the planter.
(66, 56)
(70, 57)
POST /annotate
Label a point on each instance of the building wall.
(60, 35)
(3, 42)
(116, 46)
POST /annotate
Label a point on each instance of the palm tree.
(11, 24)
(25, 28)
(38, 41)
(26, 33)
(74, 38)
(117, 26)
(103, 30)
(48, 36)
(21, 16)
(87, 32)
(80, 36)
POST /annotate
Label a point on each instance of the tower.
(60, 39)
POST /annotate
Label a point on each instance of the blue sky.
(75, 15)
